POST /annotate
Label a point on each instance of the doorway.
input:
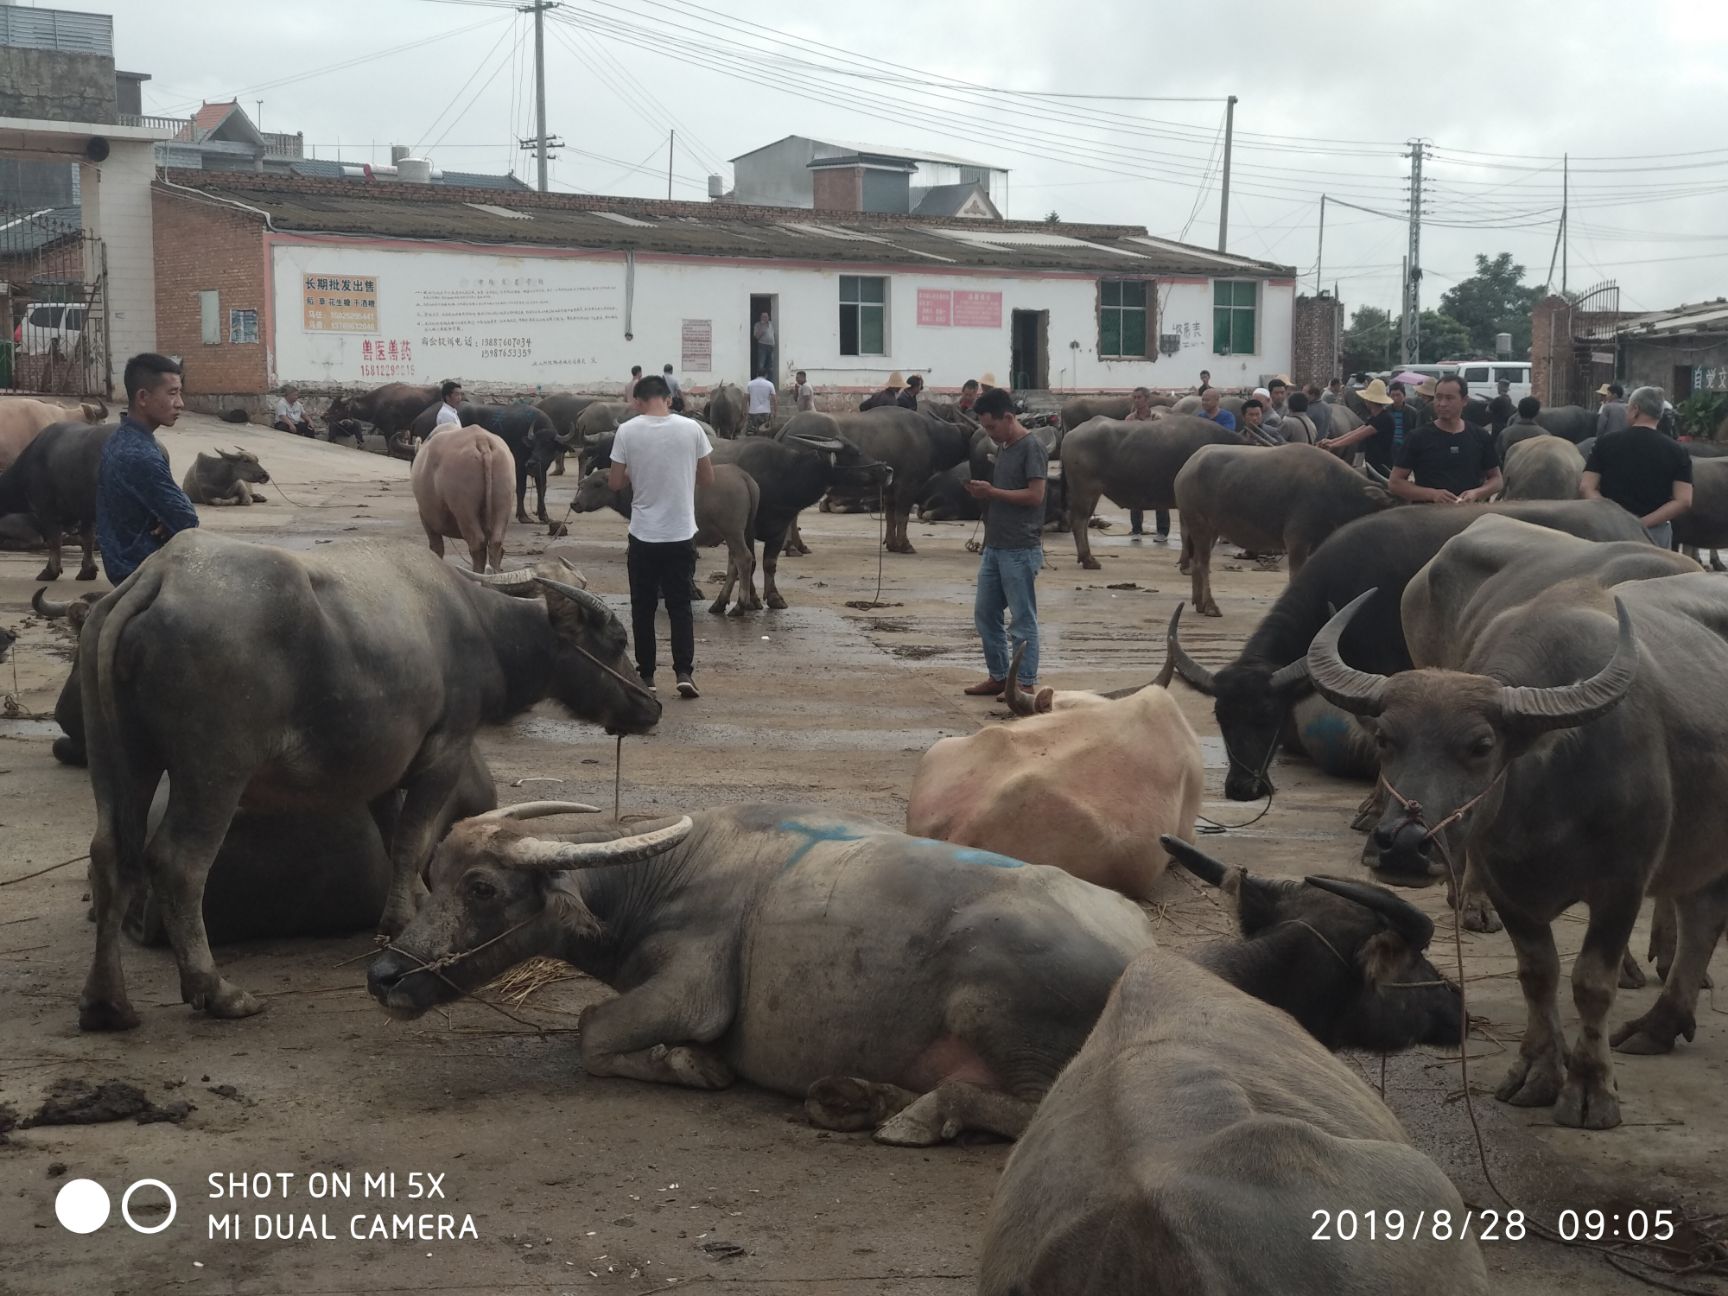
(1681, 388)
(765, 348)
(1029, 366)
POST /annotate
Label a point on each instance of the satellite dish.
(96, 148)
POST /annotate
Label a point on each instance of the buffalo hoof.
(923, 1124)
(1531, 1082)
(558, 529)
(523, 518)
(1655, 1031)
(47, 573)
(229, 1003)
(1587, 1106)
(776, 602)
(256, 499)
(905, 547)
(557, 472)
(717, 607)
(693, 1068)
(843, 1103)
(1478, 915)
(69, 751)
(1631, 975)
(541, 517)
(1211, 609)
(738, 610)
(1184, 568)
(106, 1015)
(89, 573)
(1091, 564)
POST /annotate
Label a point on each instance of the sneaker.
(987, 688)
(687, 686)
(1136, 531)
(1161, 538)
(647, 681)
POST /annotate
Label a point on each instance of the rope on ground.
(39, 872)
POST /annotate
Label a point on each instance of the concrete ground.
(576, 1184)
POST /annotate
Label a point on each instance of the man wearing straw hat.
(1613, 416)
(889, 395)
(1385, 432)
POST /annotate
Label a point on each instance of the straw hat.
(987, 380)
(1427, 388)
(1375, 393)
(895, 380)
(1603, 390)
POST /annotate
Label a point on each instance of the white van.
(1483, 377)
(51, 323)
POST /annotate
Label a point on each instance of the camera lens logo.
(82, 1206)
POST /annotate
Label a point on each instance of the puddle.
(573, 733)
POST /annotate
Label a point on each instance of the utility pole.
(541, 141)
(1412, 334)
(671, 143)
(1224, 195)
(1565, 226)
(1320, 253)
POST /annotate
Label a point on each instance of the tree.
(1493, 300)
(1371, 341)
(1445, 338)
(1053, 218)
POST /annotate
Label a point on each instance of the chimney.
(837, 189)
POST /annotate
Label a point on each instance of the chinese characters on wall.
(340, 303)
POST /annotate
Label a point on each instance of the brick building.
(210, 292)
(1318, 339)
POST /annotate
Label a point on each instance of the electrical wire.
(450, 102)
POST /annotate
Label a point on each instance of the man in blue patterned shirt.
(139, 505)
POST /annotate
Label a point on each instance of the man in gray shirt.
(1613, 416)
(1013, 544)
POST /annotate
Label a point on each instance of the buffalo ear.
(1256, 900)
(1382, 957)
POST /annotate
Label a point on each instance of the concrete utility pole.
(1411, 345)
(1224, 194)
(541, 141)
(1320, 252)
(671, 143)
(1565, 229)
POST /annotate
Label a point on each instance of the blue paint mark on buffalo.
(1326, 738)
(990, 859)
(814, 835)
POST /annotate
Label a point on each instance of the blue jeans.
(1006, 583)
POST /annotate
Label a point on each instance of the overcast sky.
(1329, 94)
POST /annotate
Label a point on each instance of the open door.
(1029, 368)
(765, 347)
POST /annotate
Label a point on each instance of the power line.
(481, 62)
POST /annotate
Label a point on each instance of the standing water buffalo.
(461, 480)
(1530, 634)
(888, 981)
(1134, 465)
(564, 408)
(225, 477)
(1573, 422)
(725, 514)
(1201, 1141)
(54, 481)
(529, 433)
(1542, 467)
(724, 411)
(391, 409)
(1288, 497)
(366, 668)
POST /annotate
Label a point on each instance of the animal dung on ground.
(1123, 585)
(78, 1102)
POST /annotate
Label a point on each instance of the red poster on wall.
(977, 309)
(935, 308)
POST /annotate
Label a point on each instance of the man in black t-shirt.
(1500, 408)
(1447, 461)
(1385, 432)
(1641, 470)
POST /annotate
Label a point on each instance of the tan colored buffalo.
(462, 486)
(21, 418)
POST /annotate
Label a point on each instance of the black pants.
(662, 571)
(1162, 517)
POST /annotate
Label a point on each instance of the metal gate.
(53, 300)
(1595, 340)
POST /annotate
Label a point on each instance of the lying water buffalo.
(461, 480)
(391, 409)
(1288, 497)
(22, 417)
(725, 514)
(1542, 467)
(367, 669)
(888, 981)
(225, 477)
(54, 481)
(1194, 1119)
(529, 433)
(945, 499)
(915, 444)
(1526, 633)
(1134, 465)
(724, 411)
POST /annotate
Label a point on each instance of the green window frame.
(1234, 304)
(863, 315)
(1123, 310)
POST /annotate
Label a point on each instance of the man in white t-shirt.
(664, 459)
(449, 411)
(291, 414)
(764, 401)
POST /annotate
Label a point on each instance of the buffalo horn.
(533, 854)
(833, 445)
(1404, 918)
(1018, 702)
(520, 581)
(1195, 860)
(580, 597)
(536, 810)
(1190, 670)
(1356, 691)
(1288, 677)
(1567, 705)
(47, 607)
(1374, 475)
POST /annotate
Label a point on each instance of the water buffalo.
(1082, 409)
(1134, 465)
(724, 411)
(1705, 524)
(54, 481)
(1573, 422)
(1542, 467)
(725, 514)
(68, 709)
(366, 667)
(1288, 497)
(1195, 1144)
(891, 982)
(225, 477)
(391, 409)
(461, 480)
(945, 499)
(18, 532)
(915, 444)
(529, 433)
(1088, 786)
(1525, 633)
(21, 418)
(563, 408)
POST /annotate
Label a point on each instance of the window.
(1233, 304)
(242, 326)
(1122, 317)
(863, 311)
(210, 317)
(1512, 373)
(1476, 374)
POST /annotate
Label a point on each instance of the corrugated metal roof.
(395, 210)
(1705, 317)
(22, 233)
(881, 150)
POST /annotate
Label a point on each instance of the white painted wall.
(525, 319)
(116, 205)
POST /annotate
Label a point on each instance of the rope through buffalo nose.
(1414, 820)
(1212, 826)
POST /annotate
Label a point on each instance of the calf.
(461, 480)
(225, 477)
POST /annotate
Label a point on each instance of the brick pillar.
(1314, 345)
(1553, 364)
